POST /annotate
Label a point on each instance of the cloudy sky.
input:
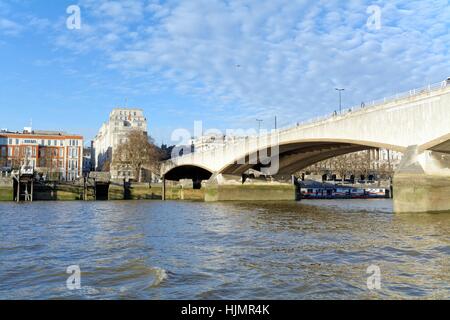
(225, 62)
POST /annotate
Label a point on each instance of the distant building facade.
(207, 142)
(54, 155)
(213, 141)
(112, 133)
(383, 158)
(87, 160)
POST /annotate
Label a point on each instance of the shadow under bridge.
(189, 172)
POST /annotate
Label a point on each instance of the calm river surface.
(188, 250)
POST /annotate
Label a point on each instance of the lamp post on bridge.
(340, 98)
(259, 125)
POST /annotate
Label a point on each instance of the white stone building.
(214, 141)
(208, 142)
(112, 133)
(382, 158)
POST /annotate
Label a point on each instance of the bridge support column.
(422, 182)
(231, 188)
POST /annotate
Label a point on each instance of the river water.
(193, 250)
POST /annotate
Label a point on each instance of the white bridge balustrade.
(416, 122)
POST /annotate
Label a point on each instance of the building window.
(28, 152)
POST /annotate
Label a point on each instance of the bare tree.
(362, 163)
(386, 171)
(136, 153)
(106, 167)
(342, 165)
(48, 162)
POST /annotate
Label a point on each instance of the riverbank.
(119, 190)
(68, 191)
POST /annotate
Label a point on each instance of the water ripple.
(183, 250)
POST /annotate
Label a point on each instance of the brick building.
(53, 155)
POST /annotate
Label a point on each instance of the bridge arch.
(441, 144)
(192, 172)
(294, 156)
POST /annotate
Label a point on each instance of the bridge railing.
(372, 104)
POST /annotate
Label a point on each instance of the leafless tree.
(48, 162)
(358, 163)
(138, 152)
(106, 167)
(362, 163)
(342, 165)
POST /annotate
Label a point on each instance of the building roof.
(126, 109)
(41, 133)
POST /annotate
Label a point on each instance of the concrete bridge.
(416, 123)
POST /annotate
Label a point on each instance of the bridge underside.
(194, 173)
(443, 147)
(295, 157)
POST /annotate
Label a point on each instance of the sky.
(223, 62)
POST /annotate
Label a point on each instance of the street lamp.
(340, 98)
(259, 125)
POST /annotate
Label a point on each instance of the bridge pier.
(231, 188)
(422, 182)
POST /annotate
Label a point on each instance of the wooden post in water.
(18, 189)
(163, 192)
(84, 188)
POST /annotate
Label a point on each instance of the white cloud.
(14, 22)
(9, 27)
(270, 57)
